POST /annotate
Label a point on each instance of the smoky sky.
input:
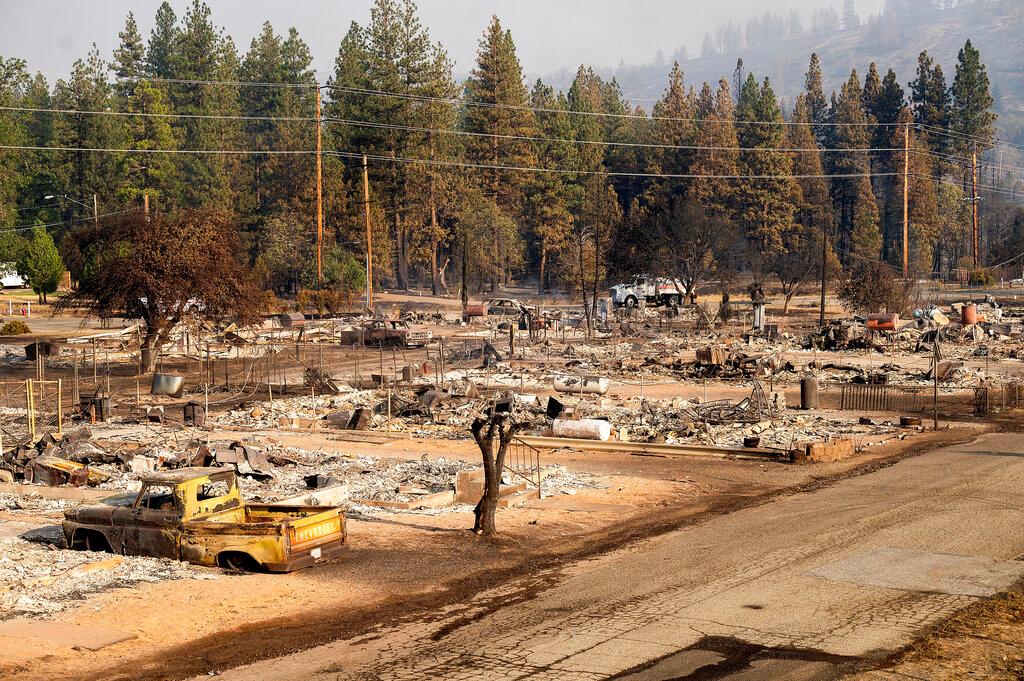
(549, 34)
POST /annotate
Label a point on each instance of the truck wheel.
(238, 561)
(631, 301)
(91, 541)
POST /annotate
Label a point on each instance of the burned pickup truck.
(386, 333)
(197, 515)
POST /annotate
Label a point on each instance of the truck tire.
(90, 540)
(631, 302)
(238, 561)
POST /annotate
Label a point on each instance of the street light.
(95, 204)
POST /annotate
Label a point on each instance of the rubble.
(40, 580)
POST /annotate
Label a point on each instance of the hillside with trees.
(779, 44)
(763, 167)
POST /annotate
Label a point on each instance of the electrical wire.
(643, 145)
(485, 166)
(598, 114)
(145, 114)
(22, 228)
(244, 152)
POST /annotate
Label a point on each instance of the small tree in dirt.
(161, 270)
(484, 431)
(40, 264)
(873, 286)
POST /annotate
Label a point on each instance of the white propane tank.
(585, 429)
(591, 385)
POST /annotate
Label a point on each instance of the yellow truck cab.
(197, 515)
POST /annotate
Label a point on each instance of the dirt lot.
(412, 563)
(405, 563)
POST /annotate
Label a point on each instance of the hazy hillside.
(996, 28)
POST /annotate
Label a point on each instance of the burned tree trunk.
(484, 431)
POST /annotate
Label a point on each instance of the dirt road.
(804, 587)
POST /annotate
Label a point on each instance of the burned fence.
(949, 401)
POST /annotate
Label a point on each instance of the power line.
(643, 145)
(485, 166)
(90, 218)
(302, 119)
(600, 114)
(244, 152)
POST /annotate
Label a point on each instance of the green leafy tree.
(40, 264)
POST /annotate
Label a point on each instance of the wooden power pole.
(145, 205)
(824, 273)
(974, 207)
(369, 236)
(319, 199)
(906, 202)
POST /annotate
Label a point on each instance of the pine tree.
(80, 174)
(930, 100)
(498, 79)
(439, 185)
(817, 105)
(764, 206)
(129, 63)
(202, 53)
(13, 82)
(38, 170)
(146, 173)
(551, 194)
(800, 260)
(716, 132)
(972, 115)
(161, 51)
(856, 210)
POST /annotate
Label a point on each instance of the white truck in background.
(647, 289)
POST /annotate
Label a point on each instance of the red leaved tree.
(162, 269)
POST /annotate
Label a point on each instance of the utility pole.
(824, 272)
(906, 201)
(974, 206)
(319, 199)
(145, 205)
(95, 211)
(369, 236)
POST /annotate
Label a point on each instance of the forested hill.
(893, 39)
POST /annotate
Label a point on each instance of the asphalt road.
(809, 586)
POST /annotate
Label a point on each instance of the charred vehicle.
(386, 333)
(197, 515)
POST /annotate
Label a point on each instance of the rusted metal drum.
(969, 314)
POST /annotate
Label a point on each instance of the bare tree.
(484, 431)
(799, 263)
(690, 242)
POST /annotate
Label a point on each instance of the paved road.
(805, 587)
